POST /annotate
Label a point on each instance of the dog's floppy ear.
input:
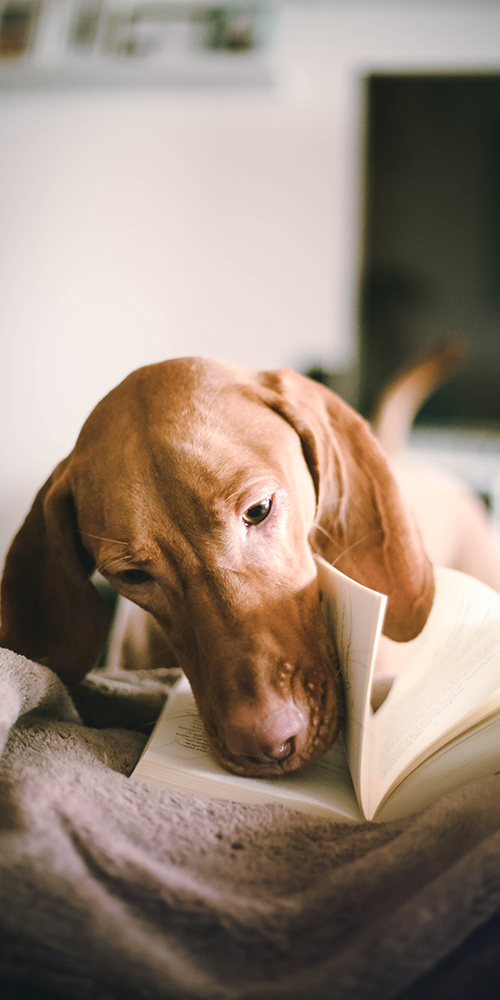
(362, 524)
(50, 611)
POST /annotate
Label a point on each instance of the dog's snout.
(265, 735)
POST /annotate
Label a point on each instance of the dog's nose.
(272, 736)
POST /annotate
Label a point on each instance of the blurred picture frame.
(134, 42)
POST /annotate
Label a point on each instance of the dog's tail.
(407, 392)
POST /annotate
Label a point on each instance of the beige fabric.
(112, 890)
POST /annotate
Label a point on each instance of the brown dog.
(197, 488)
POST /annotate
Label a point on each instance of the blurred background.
(313, 183)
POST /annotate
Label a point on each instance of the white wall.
(136, 226)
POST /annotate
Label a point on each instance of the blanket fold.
(113, 890)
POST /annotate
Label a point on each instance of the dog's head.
(197, 489)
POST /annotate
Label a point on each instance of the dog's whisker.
(319, 527)
(360, 541)
(101, 538)
(111, 561)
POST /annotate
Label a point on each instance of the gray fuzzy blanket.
(112, 890)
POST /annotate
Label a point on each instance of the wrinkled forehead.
(144, 456)
(233, 433)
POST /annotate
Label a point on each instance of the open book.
(439, 726)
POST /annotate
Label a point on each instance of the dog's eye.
(134, 576)
(258, 512)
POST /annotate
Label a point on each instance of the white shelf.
(97, 43)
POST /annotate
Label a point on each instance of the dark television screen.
(431, 261)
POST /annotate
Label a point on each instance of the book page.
(354, 616)
(471, 756)
(453, 665)
(178, 756)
